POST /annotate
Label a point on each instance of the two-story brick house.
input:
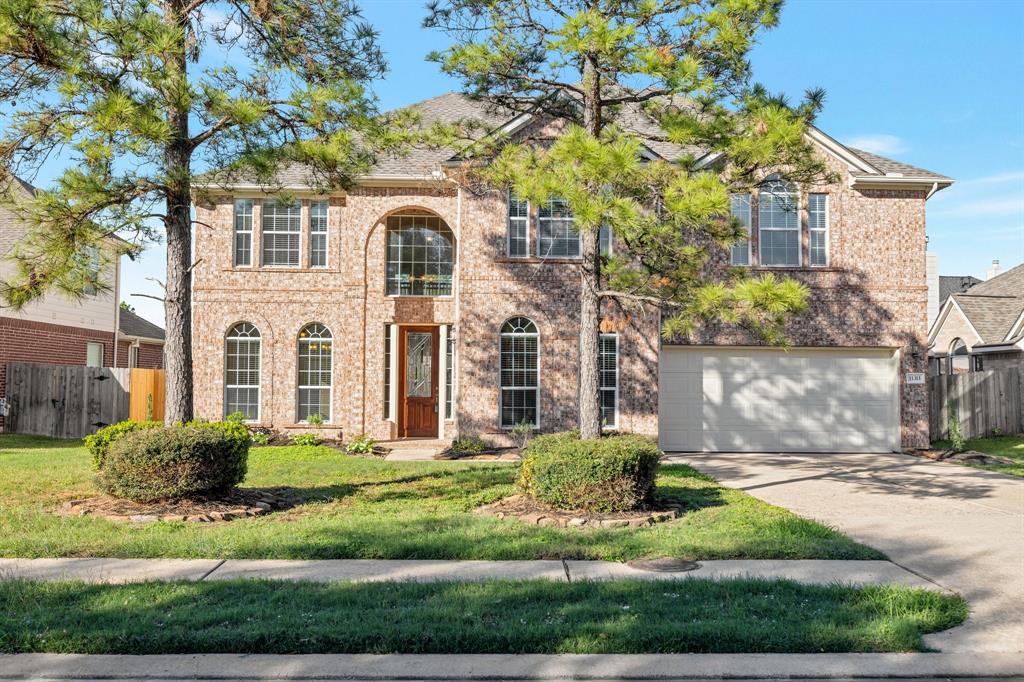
(410, 306)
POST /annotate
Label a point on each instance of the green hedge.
(198, 459)
(99, 443)
(610, 474)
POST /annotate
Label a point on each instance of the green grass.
(490, 617)
(1011, 447)
(372, 509)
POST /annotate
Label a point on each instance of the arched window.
(520, 377)
(778, 218)
(242, 371)
(420, 256)
(959, 357)
(315, 357)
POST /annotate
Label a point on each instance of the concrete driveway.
(959, 527)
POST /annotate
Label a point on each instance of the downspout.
(117, 305)
(457, 329)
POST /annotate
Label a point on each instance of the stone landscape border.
(535, 513)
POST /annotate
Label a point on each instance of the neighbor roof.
(955, 284)
(421, 162)
(133, 325)
(993, 306)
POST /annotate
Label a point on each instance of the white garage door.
(765, 400)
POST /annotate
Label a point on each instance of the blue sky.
(935, 84)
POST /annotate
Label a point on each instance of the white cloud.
(878, 144)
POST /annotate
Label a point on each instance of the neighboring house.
(981, 328)
(140, 343)
(411, 306)
(56, 329)
(954, 284)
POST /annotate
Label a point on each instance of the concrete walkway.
(510, 667)
(960, 527)
(114, 571)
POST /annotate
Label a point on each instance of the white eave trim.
(141, 339)
(1000, 348)
(1015, 328)
(934, 184)
(838, 149)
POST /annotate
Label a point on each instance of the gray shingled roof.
(888, 166)
(452, 107)
(955, 284)
(994, 305)
(133, 325)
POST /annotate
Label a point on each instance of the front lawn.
(1011, 447)
(353, 508)
(490, 617)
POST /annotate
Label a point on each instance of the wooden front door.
(419, 395)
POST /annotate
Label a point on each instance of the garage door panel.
(769, 400)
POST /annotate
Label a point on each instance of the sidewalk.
(508, 667)
(136, 570)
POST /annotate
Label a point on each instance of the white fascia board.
(1015, 328)
(140, 339)
(890, 181)
(838, 149)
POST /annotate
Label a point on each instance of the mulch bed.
(537, 513)
(238, 504)
(972, 456)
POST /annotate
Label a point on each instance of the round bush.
(196, 460)
(605, 475)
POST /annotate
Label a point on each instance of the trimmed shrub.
(360, 445)
(195, 460)
(306, 439)
(610, 474)
(98, 443)
(469, 445)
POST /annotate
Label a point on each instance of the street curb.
(510, 667)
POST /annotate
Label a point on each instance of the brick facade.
(872, 294)
(151, 355)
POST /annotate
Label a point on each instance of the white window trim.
(611, 241)
(502, 388)
(799, 231)
(750, 230)
(258, 386)
(235, 232)
(615, 426)
(327, 237)
(89, 345)
(263, 264)
(827, 230)
(299, 387)
(133, 355)
(508, 226)
(579, 238)
(455, 265)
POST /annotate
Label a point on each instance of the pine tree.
(132, 96)
(602, 66)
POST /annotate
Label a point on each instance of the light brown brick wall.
(873, 293)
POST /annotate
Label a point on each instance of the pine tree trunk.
(590, 279)
(178, 224)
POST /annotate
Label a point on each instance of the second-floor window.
(518, 227)
(243, 232)
(778, 223)
(556, 232)
(739, 207)
(93, 261)
(281, 233)
(420, 256)
(318, 234)
(817, 213)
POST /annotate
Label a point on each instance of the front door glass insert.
(418, 365)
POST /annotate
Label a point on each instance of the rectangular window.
(606, 241)
(817, 210)
(93, 354)
(449, 379)
(93, 262)
(556, 234)
(739, 207)
(979, 363)
(778, 218)
(520, 389)
(318, 234)
(387, 371)
(608, 364)
(518, 227)
(282, 229)
(243, 232)
(133, 356)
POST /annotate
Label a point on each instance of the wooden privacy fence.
(985, 402)
(71, 401)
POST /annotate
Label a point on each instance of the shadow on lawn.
(492, 617)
